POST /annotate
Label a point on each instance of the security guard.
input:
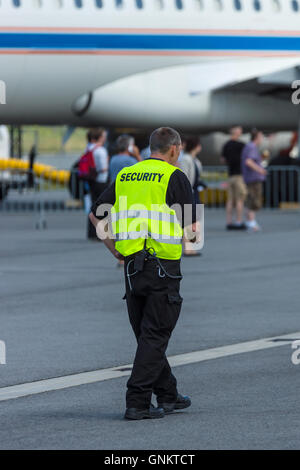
(147, 232)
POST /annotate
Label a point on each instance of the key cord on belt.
(161, 267)
(146, 254)
(130, 275)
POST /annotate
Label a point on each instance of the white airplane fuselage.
(129, 66)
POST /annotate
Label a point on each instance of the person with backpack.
(93, 165)
(93, 169)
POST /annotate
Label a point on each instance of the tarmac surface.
(62, 313)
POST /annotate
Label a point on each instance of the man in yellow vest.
(151, 202)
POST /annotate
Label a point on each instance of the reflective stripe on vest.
(169, 239)
(141, 213)
(144, 214)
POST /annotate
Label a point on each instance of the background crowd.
(245, 163)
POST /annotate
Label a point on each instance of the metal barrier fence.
(25, 191)
(215, 177)
(281, 188)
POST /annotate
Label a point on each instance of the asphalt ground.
(62, 313)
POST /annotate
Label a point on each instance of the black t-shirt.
(232, 152)
(179, 192)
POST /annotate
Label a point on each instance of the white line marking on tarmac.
(68, 381)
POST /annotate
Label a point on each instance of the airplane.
(192, 64)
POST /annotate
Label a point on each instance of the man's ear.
(174, 151)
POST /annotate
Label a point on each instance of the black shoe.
(236, 226)
(150, 413)
(180, 404)
(241, 226)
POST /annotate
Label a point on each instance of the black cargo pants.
(154, 305)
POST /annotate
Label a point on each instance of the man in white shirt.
(96, 140)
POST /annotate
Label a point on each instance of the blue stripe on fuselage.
(68, 41)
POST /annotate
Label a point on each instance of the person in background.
(237, 191)
(126, 148)
(254, 175)
(146, 153)
(192, 167)
(98, 140)
(182, 151)
(134, 150)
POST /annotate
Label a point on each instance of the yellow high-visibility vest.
(141, 213)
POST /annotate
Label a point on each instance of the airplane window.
(257, 5)
(99, 3)
(17, 3)
(119, 3)
(295, 5)
(78, 3)
(139, 4)
(218, 5)
(276, 5)
(179, 4)
(238, 5)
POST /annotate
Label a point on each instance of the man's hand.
(118, 255)
(264, 172)
(254, 166)
(108, 241)
(193, 232)
(93, 219)
(136, 153)
(196, 228)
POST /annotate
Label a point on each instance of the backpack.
(77, 188)
(86, 167)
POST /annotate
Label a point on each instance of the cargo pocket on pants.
(175, 299)
(172, 311)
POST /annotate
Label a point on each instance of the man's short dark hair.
(95, 134)
(254, 134)
(163, 138)
(192, 143)
(123, 142)
(88, 136)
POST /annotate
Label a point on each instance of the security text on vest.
(142, 177)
